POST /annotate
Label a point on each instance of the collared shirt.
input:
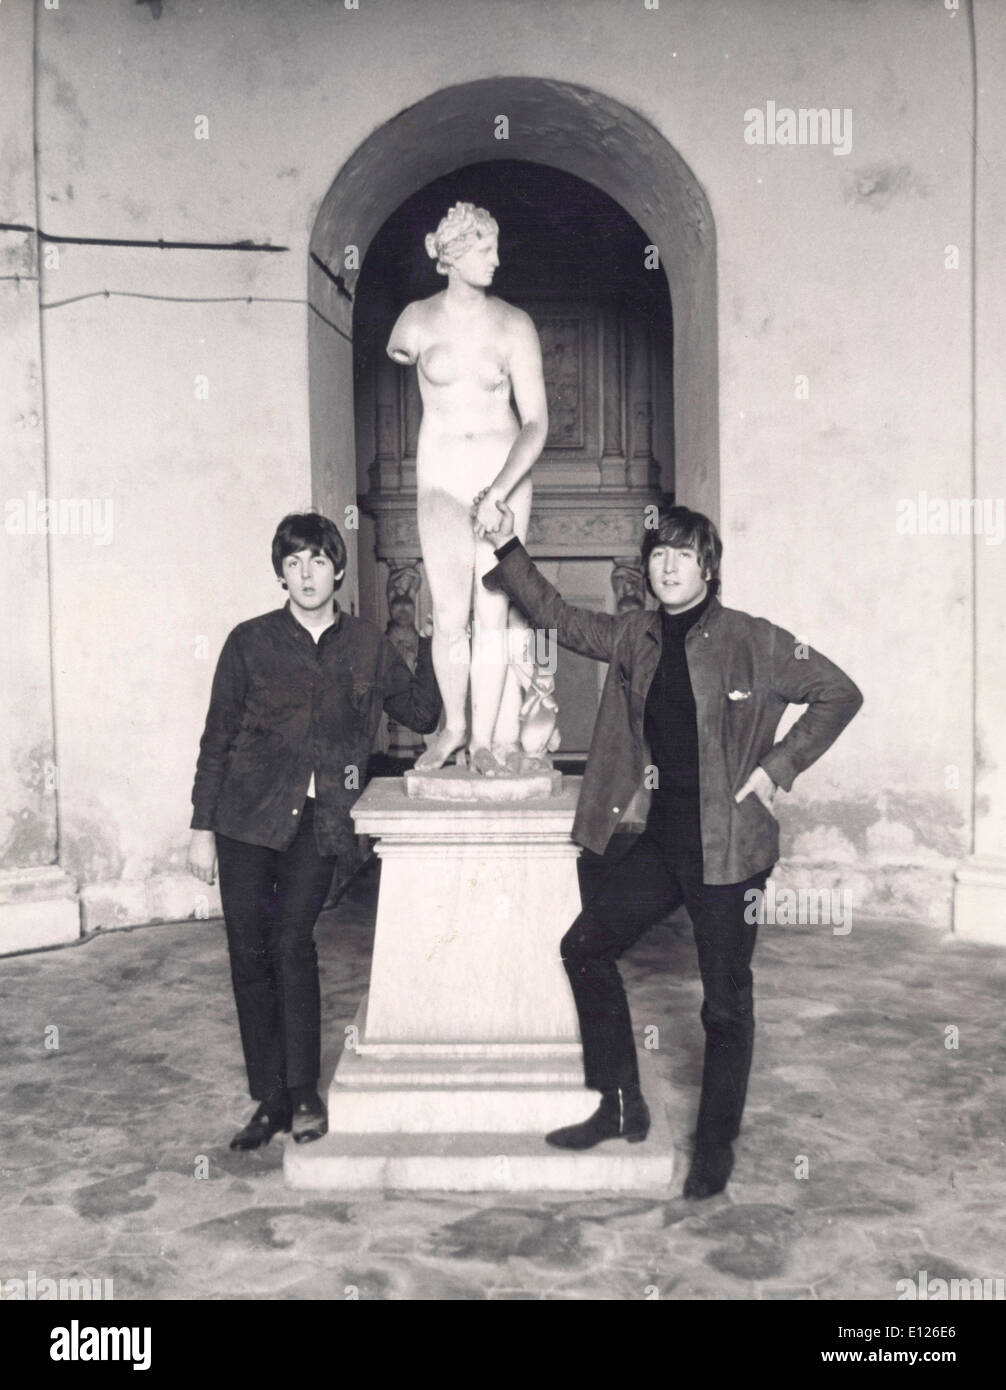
(284, 706)
(743, 670)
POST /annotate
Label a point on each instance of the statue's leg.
(488, 662)
(445, 535)
(506, 734)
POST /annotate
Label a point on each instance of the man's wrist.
(506, 547)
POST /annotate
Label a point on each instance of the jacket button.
(615, 810)
(295, 813)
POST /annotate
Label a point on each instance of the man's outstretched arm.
(580, 629)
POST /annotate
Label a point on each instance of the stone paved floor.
(102, 1141)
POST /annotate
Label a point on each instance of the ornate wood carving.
(403, 587)
(629, 583)
(584, 524)
(562, 365)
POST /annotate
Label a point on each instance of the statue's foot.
(535, 762)
(482, 761)
(508, 755)
(448, 741)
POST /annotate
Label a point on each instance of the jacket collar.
(713, 609)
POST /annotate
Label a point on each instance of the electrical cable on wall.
(161, 245)
(196, 299)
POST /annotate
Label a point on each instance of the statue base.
(460, 784)
(467, 1050)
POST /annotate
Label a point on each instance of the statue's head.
(464, 226)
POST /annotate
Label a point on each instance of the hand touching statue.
(492, 519)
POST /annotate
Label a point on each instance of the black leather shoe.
(622, 1114)
(261, 1127)
(309, 1121)
(711, 1167)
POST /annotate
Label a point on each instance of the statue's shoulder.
(411, 328)
(516, 323)
(511, 315)
(422, 310)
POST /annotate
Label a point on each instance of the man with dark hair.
(297, 698)
(704, 687)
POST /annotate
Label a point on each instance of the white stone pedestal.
(467, 1047)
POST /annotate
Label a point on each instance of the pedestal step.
(421, 1095)
(470, 1160)
(477, 1163)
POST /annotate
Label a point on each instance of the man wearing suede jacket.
(691, 704)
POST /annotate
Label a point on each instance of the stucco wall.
(829, 266)
(27, 799)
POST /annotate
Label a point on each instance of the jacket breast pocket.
(740, 711)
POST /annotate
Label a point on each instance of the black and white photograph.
(503, 753)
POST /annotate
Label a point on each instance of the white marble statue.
(470, 350)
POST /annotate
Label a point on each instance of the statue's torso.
(464, 377)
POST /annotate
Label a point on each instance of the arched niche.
(573, 128)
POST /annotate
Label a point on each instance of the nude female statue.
(470, 349)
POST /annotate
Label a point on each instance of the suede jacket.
(744, 671)
(284, 706)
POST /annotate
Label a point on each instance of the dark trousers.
(271, 901)
(642, 888)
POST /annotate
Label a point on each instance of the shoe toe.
(309, 1124)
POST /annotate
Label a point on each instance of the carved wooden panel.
(562, 365)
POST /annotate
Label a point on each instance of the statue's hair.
(463, 225)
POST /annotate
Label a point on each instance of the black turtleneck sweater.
(672, 733)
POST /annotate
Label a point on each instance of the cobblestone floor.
(104, 1139)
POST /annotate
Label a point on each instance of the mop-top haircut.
(463, 226)
(682, 528)
(308, 531)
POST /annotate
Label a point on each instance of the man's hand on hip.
(763, 787)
